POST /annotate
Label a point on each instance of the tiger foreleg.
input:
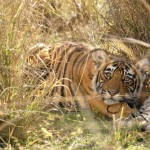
(119, 109)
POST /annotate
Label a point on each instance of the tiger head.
(118, 80)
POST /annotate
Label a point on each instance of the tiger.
(88, 77)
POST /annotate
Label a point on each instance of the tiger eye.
(127, 78)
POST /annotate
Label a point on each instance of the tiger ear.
(143, 64)
(100, 56)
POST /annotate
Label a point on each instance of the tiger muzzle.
(112, 92)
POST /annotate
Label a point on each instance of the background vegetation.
(23, 23)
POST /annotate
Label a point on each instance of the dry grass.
(130, 19)
(24, 23)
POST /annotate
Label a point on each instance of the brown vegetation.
(27, 22)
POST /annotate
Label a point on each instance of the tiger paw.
(130, 122)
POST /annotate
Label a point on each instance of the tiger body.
(90, 78)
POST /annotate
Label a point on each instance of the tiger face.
(118, 80)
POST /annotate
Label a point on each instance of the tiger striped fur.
(88, 77)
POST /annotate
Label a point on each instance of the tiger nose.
(113, 92)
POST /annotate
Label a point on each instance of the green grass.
(28, 124)
(73, 131)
